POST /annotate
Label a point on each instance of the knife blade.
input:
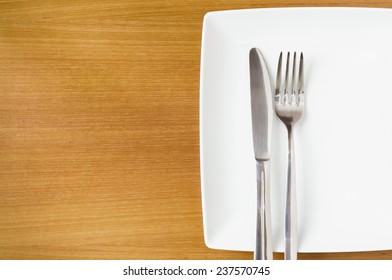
(262, 114)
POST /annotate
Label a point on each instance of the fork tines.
(292, 90)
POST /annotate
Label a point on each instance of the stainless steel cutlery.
(262, 114)
(289, 107)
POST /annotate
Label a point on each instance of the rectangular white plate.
(343, 143)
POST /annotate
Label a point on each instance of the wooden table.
(99, 129)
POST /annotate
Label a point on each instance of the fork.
(289, 107)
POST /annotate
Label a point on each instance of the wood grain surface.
(99, 129)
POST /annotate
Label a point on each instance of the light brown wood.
(99, 138)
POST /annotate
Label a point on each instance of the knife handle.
(263, 250)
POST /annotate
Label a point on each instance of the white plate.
(343, 143)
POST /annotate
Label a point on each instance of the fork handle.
(291, 203)
(263, 250)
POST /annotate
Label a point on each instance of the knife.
(262, 113)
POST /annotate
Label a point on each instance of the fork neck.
(290, 141)
(289, 127)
